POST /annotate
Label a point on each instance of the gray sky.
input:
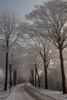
(22, 6)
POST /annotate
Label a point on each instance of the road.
(24, 92)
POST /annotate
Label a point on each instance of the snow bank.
(4, 94)
(55, 94)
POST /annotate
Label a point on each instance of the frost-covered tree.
(40, 44)
(50, 20)
(8, 35)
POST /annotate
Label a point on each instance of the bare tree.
(36, 74)
(50, 19)
(10, 73)
(8, 34)
(39, 43)
(46, 54)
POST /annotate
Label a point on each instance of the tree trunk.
(15, 77)
(38, 79)
(35, 77)
(6, 73)
(6, 70)
(46, 83)
(10, 81)
(38, 76)
(62, 71)
(32, 77)
(45, 70)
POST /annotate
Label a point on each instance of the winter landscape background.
(33, 50)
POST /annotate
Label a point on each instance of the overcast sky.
(22, 6)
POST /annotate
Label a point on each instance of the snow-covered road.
(19, 93)
(23, 92)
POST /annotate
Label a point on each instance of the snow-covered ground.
(4, 94)
(55, 94)
(25, 92)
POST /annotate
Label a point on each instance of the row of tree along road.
(47, 29)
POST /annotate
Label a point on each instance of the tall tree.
(8, 35)
(50, 20)
(47, 54)
(36, 74)
(10, 74)
(39, 44)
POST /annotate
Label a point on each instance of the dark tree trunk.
(15, 77)
(32, 77)
(46, 83)
(6, 70)
(38, 76)
(35, 77)
(10, 81)
(38, 79)
(62, 71)
(6, 73)
(45, 70)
